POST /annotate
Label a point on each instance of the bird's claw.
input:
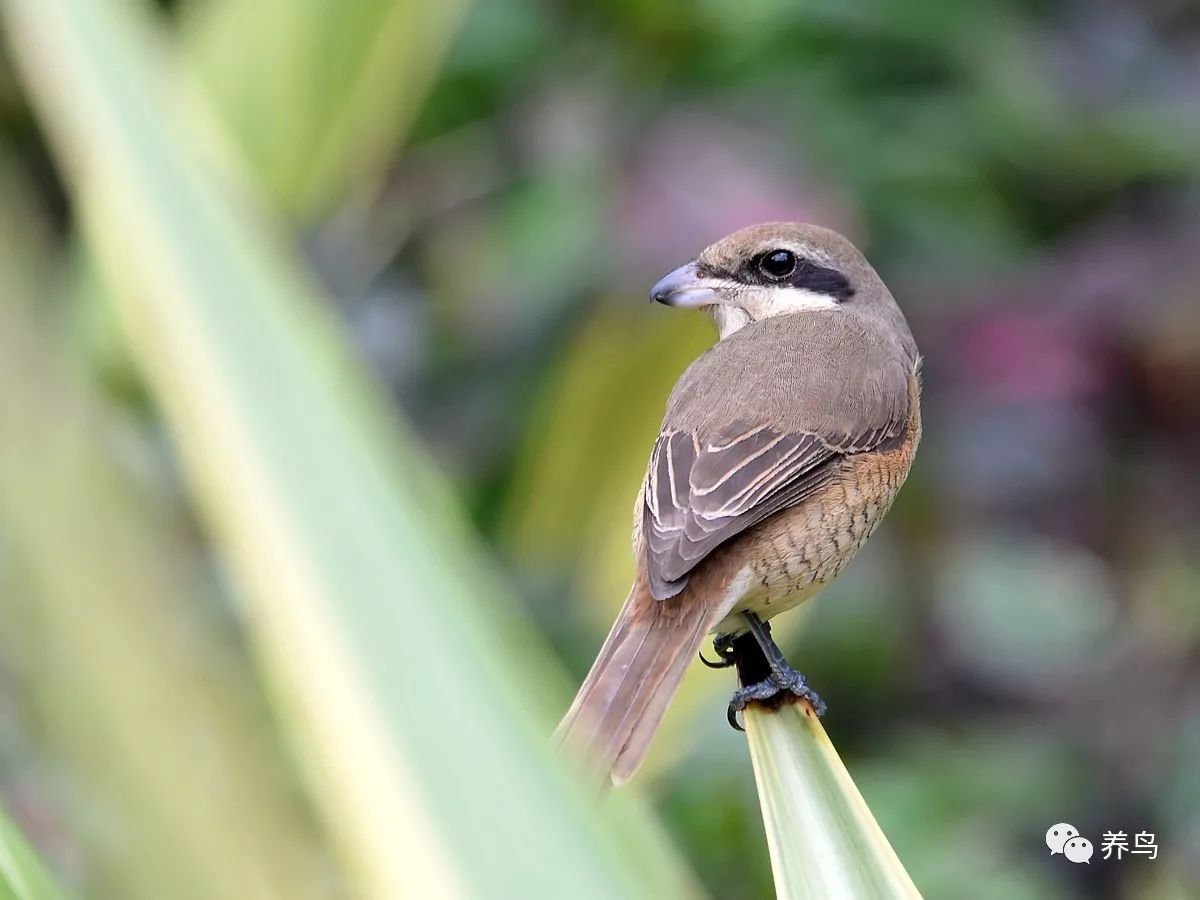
(723, 645)
(787, 681)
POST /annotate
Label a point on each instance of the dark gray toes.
(787, 681)
(723, 646)
(763, 690)
(794, 683)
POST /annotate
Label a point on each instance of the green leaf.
(416, 698)
(22, 875)
(317, 95)
(113, 632)
(824, 842)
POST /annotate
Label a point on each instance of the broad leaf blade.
(113, 632)
(416, 699)
(22, 875)
(318, 95)
(824, 842)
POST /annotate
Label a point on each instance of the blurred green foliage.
(338, 537)
(22, 875)
(1019, 644)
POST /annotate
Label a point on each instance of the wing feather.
(701, 494)
(811, 391)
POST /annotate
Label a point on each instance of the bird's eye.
(778, 264)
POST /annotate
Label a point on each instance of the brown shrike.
(781, 449)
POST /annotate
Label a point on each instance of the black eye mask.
(806, 275)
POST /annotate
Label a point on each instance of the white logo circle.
(1058, 835)
(1078, 849)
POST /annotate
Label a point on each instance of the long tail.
(625, 695)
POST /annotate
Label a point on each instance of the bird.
(781, 449)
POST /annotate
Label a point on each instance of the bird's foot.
(723, 646)
(780, 681)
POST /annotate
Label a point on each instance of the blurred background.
(486, 195)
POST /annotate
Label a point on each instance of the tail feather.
(640, 735)
(639, 668)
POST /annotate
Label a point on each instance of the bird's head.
(777, 269)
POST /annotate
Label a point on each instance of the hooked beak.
(686, 287)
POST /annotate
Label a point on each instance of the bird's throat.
(729, 319)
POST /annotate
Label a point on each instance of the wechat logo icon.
(1058, 835)
(1078, 850)
(1064, 839)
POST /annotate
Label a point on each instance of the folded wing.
(700, 493)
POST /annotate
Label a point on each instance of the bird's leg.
(723, 646)
(764, 672)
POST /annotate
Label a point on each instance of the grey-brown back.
(760, 422)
